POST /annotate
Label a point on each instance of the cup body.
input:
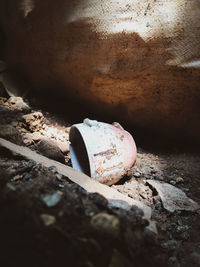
(103, 151)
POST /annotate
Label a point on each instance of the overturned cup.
(103, 151)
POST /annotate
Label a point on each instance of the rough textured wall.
(140, 59)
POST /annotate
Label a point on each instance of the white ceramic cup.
(103, 151)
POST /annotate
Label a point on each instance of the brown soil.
(46, 220)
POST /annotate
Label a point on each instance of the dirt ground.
(46, 220)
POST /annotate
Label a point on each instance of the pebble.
(172, 182)
(48, 219)
(27, 176)
(17, 177)
(146, 170)
(179, 180)
(27, 142)
(137, 174)
(52, 200)
(186, 189)
(106, 223)
(52, 169)
(29, 138)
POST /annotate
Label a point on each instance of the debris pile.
(41, 207)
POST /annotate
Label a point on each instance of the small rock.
(17, 103)
(172, 182)
(136, 190)
(186, 189)
(10, 133)
(179, 180)
(16, 178)
(36, 136)
(52, 169)
(49, 149)
(106, 223)
(48, 219)
(27, 142)
(29, 138)
(52, 199)
(146, 170)
(137, 174)
(34, 121)
(27, 176)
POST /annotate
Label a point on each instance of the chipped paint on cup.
(103, 151)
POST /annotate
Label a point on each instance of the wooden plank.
(77, 177)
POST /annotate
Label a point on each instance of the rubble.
(34, 121)
(173, 198)
(137, 190)
(25, 181)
